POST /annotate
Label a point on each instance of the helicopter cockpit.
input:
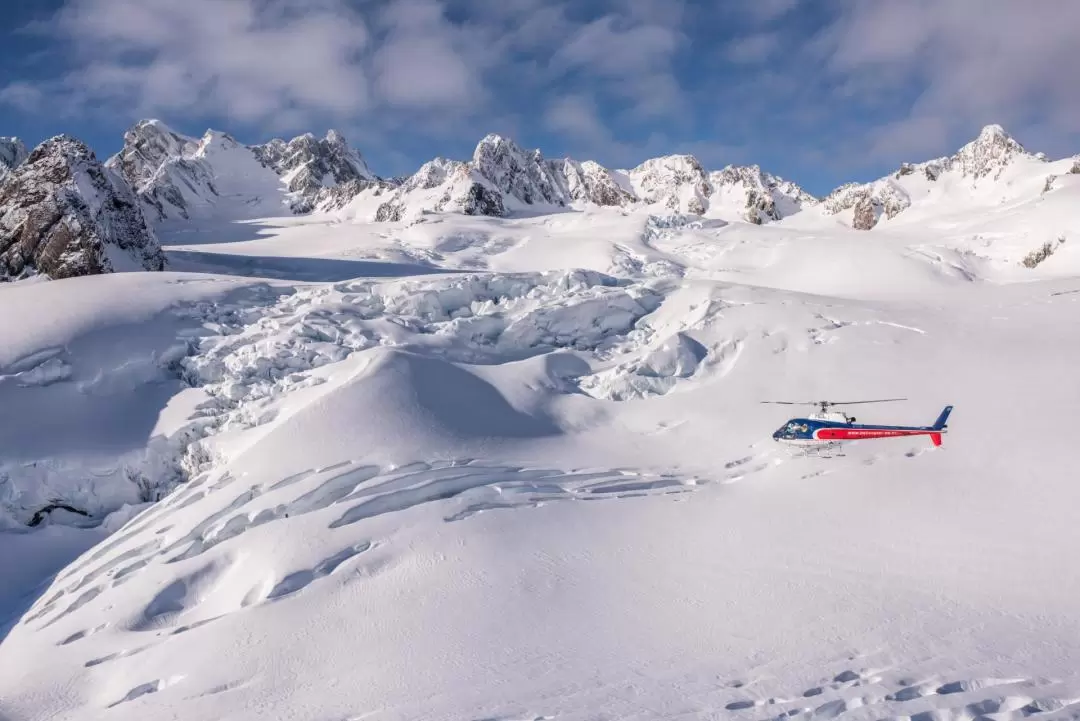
(792, 430)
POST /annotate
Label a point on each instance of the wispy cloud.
(243, 59)
(966, 62)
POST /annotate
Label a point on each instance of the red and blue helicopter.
(828, 428)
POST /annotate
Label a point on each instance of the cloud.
(22, 96)
(754, 48)
(576, 116)
(630, 56)
(764, 11)
(246, 59)
(965, 62)
(421, 64)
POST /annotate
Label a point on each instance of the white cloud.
(754, 48)
(629, 57)
(422, 63)
(22, 96)
(576, 116)
(971, 62)
(764, 11)
(245, 59)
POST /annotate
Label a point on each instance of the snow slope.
(518, 468)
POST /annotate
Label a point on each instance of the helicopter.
(828, 428)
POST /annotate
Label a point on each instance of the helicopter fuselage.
(837, 427)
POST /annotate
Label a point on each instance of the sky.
(818, 91)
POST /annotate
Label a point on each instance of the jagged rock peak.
(525, 176)
(12, 153)
(64, 214)
(148, 144)
(989, 153)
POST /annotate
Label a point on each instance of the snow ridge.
(526, 180)
(177, 176)
(989, 157)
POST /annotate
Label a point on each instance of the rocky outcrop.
(320, 173)
(870, 201)
(175, 175)
(12, 153)
(524, 179)
(988, 155)
(1075, 170)
(866, 214)
(63, 214)
(593, 184)
(518, 174)
(675, 182)
(147, 145)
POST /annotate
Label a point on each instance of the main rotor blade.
(852, 403)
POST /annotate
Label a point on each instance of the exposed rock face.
(1076, 167)
(989, 154)
(870, 200)
(867, 212)
(760, 208)
(63, 214)
(677, 182)
(319, 172)
(592, 183)
(12, 153)
(147, 145)
(174, 174)
(521, 175)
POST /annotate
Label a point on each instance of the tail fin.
(939, 424)
(936, 438)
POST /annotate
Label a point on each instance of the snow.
(519, 468)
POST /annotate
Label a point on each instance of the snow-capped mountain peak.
(12, 153)
(991, 167)
(147, 145)
(64, 214)
(989, 154)
(525, 179)
(521, 175)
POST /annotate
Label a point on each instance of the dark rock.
(63, 214)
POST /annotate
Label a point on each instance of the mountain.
(525, 180)
(181, 177)
(12, 152)
(63, 214)
(992, 168)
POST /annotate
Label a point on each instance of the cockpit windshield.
(791, 429)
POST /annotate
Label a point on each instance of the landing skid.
(817, 450)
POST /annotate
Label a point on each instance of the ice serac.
(63, 214)
(975, 169)
(12, 153)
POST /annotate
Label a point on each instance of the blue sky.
(819, 91)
